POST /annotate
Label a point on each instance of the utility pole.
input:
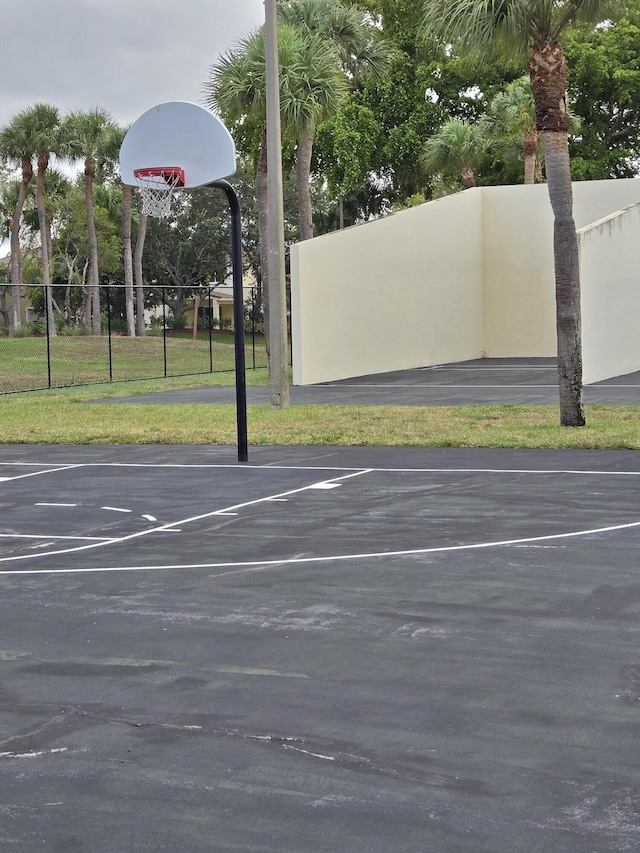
(279, 351)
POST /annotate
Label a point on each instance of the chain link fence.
(186, 331)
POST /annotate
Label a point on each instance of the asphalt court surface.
(487, 381)
(325, 649)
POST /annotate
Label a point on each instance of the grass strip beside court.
(68, 417)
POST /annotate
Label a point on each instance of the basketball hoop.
(157, 185)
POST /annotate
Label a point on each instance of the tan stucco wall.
(465, 276)
(610, 291)
(518, 288)
(395, 293)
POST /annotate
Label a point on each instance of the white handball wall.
(466, 276)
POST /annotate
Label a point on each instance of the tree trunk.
(128, 260)
(303, 174)
(548, 74)
(94, 275)
(468, 178)
(43, 162)
(262, 199)
(530, 148)
(567, 274)
(139, 280)
(15, 272)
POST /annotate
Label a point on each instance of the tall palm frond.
(359, 47)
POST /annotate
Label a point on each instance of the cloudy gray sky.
(120, 55)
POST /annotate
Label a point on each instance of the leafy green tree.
(72, 253)
(190, 250)
(348, 147)
(533, 28)
(604, 86)
(371, 152)
(348, 32)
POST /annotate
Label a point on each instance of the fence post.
(109, 333)
(164, 333)
(210, 330)
(48, 332)
(253, 326)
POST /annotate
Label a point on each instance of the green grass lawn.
(68, 416)
(77, 360)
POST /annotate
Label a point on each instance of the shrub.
(176, 322)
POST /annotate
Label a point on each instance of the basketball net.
(157, 186)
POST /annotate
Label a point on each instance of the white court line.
(275, 466)
(443, 367)
(168, 527)
(364, 387)
(264, 565)
(39, 473)
(506, 387)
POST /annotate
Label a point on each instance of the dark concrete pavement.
(325, 650)
(481, 382)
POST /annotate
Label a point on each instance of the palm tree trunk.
(548, 74)
(262, 199)
(16, 252)
(468, 178)
(138, 277)
(128, 260)
(94, 279)
(303, 173)
(567, 275)
(530, 148)
(43, 162)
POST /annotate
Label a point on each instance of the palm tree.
(127, 250)
(311, 87)
(56, 190)
(533, 29)
(91, 136)
(44, 123)
(309, 82)
(457, 147)
(348, 31)
(511, 120)
(316, 93)
(16, 145)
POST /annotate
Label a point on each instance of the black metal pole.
(48, 333)
(253, 327)
(164, 334)
(238, 316)
(210, 324)
(109, 334)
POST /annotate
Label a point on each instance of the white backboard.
(182, 134)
